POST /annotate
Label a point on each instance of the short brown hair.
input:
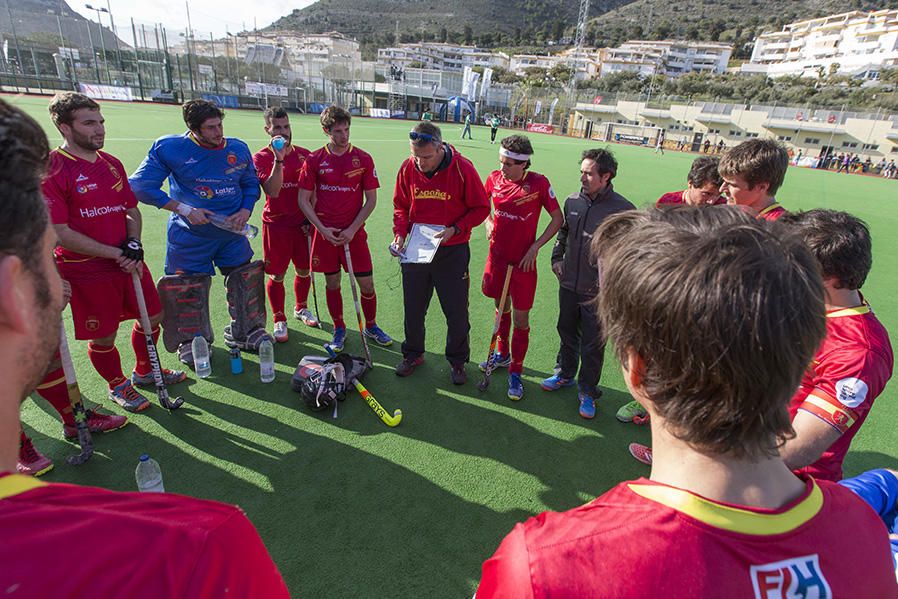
(519, 144)
(604, 159)
(64, 104)
(23, 158)
(197, 112)
(725, 312)
(840, 242)
(332, 115)
(704, 170)
(275, 112)
(757, 161)
(427, 128)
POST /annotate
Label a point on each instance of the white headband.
(514, 155)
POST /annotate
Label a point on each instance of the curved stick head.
(79, 458)
(483, 385)
(171, 404)
(395, 420)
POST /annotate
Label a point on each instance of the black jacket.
(582, 216)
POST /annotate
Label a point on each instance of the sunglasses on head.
(415, 136)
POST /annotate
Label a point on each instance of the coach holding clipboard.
(437, 186)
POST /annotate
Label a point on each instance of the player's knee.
(332, 280)
(302, 273)
(277, 278)
(155, 319)
(521, 319)
(366, 285)
(105, 341)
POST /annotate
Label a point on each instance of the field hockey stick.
(78, 411)
(390, 421)
(355, 299)
(312, 277)
(484, 384)
(161, 390)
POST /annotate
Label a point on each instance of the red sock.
(335, 307)
(301, 286)
(369, 308)
(519, 343)
(107, 362)
(139, 344)
(504, 330)
(53, 388)
(276, 297)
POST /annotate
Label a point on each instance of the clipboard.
(421, 245)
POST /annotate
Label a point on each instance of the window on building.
(849, 144)
(870, 147)
(812, 140)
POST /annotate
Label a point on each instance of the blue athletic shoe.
(499, 361)
(379, 336)
(556, 382)
(587, 405)
(515, 387)
(336, 344)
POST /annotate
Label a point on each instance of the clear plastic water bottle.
(201, 363)
(221, 221)
(266, 361)
(149, 475)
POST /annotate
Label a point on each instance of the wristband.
(184, 209)
(132, 249)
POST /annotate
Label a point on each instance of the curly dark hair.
(197, 112)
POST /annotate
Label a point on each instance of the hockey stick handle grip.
(390, 421)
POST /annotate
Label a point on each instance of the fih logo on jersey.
(796, 578)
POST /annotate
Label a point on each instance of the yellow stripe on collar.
(16, 484)
(732, 518)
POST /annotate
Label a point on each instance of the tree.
(444, 35)
(469, 35)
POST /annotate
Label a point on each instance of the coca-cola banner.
(540, 128)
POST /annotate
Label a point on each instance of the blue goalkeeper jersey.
(222, 180)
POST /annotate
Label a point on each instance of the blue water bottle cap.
(145, 457)
(278, 143)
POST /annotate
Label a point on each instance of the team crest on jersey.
(356, 163)
(204, 192)
(232, 158)
(796, 578)
(92, 323)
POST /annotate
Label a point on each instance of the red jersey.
(516, 208)
(453, 196)
(679, 197)
(179, 546)
(339, 182)
(771, 212)
(282, 209)
(92, 198)
(848, 372)
(644, 539)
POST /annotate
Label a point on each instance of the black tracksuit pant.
(448, 275)
(582, 342)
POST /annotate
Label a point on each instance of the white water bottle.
(266, 361)
(221, 221)
(201, 363)
(149, 475)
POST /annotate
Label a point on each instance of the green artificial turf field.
(351, 508)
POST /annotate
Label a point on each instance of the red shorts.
(521, 289)
(100, 304)
(328, 258)
(283, 245)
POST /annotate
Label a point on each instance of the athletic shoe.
(380, 338)
(31, 461)
(336, 344)
(306, 316)
(556, 382)
(128, 397)
(515, 387)
(641, 453)
(280, 331)
(631, 412)
(587, 405)
(499, 361)
(96, 423)
(169, 377)
(457, 375)
(408, 365)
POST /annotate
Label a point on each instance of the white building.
(585, 63)
(444, 57)
(668, 58)
(859, 43)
